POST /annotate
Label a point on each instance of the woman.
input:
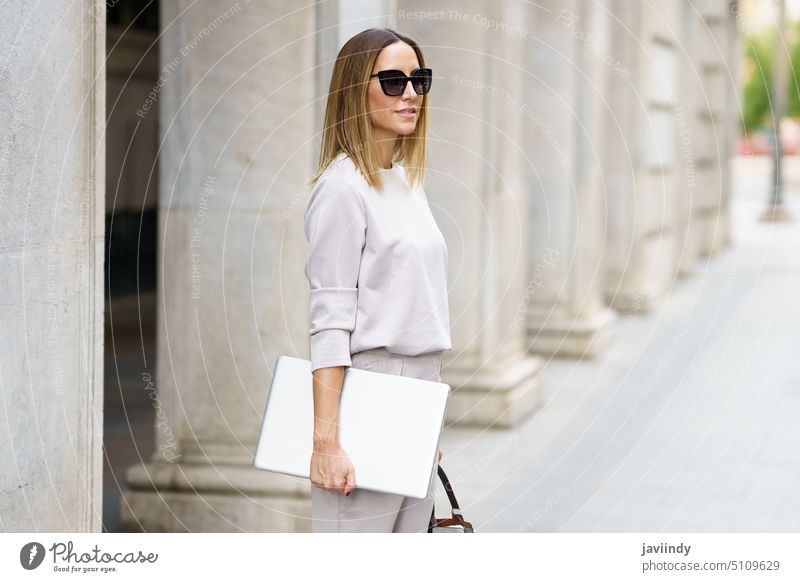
(377, 265)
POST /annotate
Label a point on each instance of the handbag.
(455, 523)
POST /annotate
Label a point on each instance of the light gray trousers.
(373, 511)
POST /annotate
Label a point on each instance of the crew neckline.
(394, 168)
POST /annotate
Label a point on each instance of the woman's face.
(384, 110)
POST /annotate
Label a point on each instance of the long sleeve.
(335, 227)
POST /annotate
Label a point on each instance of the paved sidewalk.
(690, 422)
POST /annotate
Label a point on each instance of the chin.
(406, 128)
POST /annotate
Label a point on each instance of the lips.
(408, 113)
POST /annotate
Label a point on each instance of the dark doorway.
(132, 71)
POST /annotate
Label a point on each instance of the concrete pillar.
(52, 178)
(236, 115)
(705, 135)
(732, 130)
(625, 109)
(690, 134)
(477, 184)
(715, 55)
(566, 314)
(651, 205)
(337, 22)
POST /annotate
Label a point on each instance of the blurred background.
(617, 183)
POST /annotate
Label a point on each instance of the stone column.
(337, 22)
(52, 179)
(651, 206)
(625, 110)
(708, 125)
(690, 134)
(714, 56)
(732, 129)
(566, 314)
(477, 185)
(236, 97)
(241, 107)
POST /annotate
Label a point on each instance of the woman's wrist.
(325, 440)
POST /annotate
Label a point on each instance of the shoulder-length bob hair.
(347, 126)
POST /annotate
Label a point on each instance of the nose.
(409, 94)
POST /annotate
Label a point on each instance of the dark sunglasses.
(393, 82)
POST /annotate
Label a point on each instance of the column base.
(499, 394)
(687, 250)
(557, 334)
(634, 300)
(686, 268)
(176, 497)
(712, 229)
(776, 213)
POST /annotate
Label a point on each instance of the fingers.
(343, 485)
(339, 476)
(350, 482)
(336, 485)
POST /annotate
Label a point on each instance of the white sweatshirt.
(377, 267)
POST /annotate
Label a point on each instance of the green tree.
(757, 81)
(793, 78)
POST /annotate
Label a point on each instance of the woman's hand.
(331, 468)
(440, 455)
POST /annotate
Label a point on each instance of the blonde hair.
(347, 127)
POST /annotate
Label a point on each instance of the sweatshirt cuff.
(330, 347)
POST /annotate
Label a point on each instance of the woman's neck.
(383, 146)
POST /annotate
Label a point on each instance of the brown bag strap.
(457, 519)
(448, 521)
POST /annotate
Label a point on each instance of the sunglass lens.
(394, 83)
(421, 80)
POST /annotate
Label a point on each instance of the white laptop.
(389, 425)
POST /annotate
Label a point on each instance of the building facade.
(578, 165)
